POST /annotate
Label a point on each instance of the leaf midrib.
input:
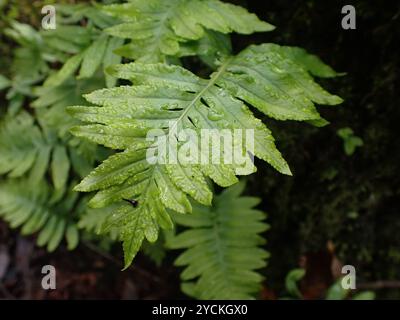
(199, 95)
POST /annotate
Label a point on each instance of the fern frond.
(41, 152)
(91, 49)
(29, 62)
(19, 151)
(88, 59)
(262, 76)
(51, 101)
(222, 247)
(34, 208)
(50, 108)
(157, 27)
(4, 82)
(67, 39)
(72, 14)
(29, 65)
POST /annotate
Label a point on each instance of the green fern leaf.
(19, 152)
(74, 13)
(60, 166)
(28, 64)
(308, 61)
(93, 57)
(68, 69)
(51, 102)
(260, 75)
(40, 152)
(110, 58)
(90, 48)
(4, 82)
(157, 28)
(89, 60)
(222, 247)
(29, 205)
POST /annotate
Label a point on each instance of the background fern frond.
(94, 51)
(41, 152)
(29, 64)
(34, 208)
(157, 28)
(222, 247)
(19, 151)
(50, 102)
(74, 13)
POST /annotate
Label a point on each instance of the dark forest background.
(336, 209)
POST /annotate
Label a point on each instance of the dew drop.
(214, 115)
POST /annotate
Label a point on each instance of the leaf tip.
(80, 188)
(286, 170)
